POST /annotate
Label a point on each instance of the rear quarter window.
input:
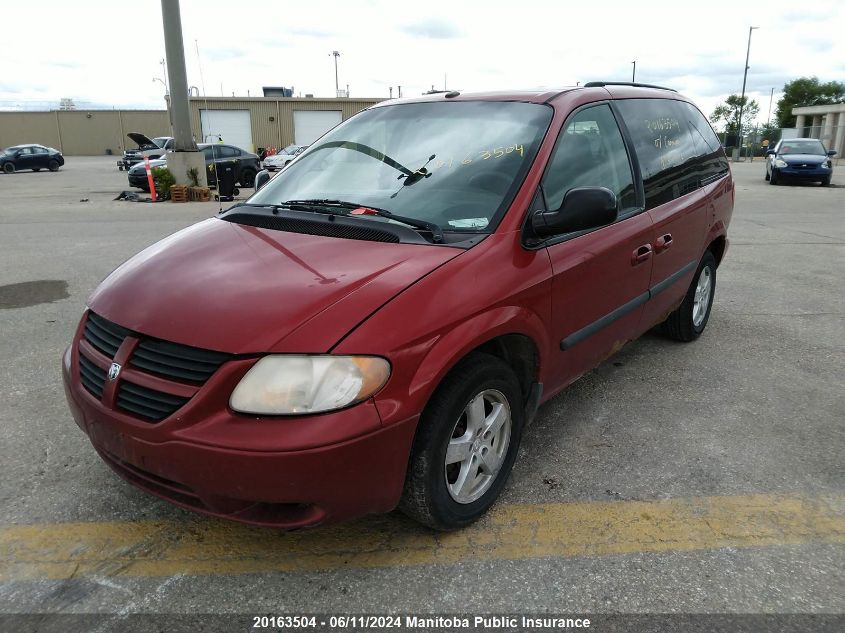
(667, 151)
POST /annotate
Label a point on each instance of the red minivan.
(377, 324)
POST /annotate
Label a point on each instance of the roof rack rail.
(602, 84)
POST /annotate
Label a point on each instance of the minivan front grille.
(104, 335)
(147, 403)
(93, 377)
(179, 364)
(189, 364)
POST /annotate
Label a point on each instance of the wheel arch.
(718, 246)
(512, 333)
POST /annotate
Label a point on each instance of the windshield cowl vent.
(312, 227)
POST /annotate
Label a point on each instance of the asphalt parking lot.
(704, 477)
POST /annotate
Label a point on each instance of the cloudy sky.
(106, 53)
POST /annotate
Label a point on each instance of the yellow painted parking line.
(509, 532)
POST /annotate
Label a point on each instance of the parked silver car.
(285, 156)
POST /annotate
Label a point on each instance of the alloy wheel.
(478, 446)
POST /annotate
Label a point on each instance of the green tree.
(727, 113)
(806, 91)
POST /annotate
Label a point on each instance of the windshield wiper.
(436, 231)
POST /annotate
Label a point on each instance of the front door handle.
(642, 254)
(663, 242)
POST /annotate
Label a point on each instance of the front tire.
(826, 182)
(689, 320)
(466, 444)
(773, 180)
(53, 165)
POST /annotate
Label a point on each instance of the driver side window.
(590, 152)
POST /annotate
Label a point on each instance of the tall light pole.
(164, 72)
(634, 72)
(335, 54)
(769, 118)
(742, 97)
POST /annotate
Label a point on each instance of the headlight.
(297, 385)
(829, 164)
(780, 163)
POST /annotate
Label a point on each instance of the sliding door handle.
(663, 242)
(642, 254)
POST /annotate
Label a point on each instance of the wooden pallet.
(199, 194)
(179, 193)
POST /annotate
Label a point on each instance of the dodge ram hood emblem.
(114, 370)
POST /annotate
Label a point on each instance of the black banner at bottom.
(400, 623)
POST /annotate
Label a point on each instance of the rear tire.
(475, 419)
(53, 165)
(689, 320)
(9, 168)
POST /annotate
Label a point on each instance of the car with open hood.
(151, 148)
(377, 324)
(799, 159)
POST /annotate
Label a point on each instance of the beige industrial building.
(824, 122)
(246, 122)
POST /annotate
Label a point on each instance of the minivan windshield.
(454, 164)
(803, 147)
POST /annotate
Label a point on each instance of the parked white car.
(280, 160)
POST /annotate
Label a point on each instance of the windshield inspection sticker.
(469, 223)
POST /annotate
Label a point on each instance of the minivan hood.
(241, 289)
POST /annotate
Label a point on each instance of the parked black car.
(246, 165)
(34, 157)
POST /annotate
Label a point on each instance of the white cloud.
(108, 52)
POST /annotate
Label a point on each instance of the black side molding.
(588, 330)
(599, 324)
(671, 279)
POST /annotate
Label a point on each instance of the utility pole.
(769, 118)
(742, 97)
(335, 54)
(185, 154)
(634, 73)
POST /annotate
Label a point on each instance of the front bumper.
(804, 173)
(280, 472)
(138, 180)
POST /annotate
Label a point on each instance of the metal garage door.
(233, 126)
(309, 125)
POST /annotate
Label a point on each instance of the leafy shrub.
(163, 180)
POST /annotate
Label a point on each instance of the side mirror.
(262, 178)
(583, 208)
(831, 152)
(770, 152)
